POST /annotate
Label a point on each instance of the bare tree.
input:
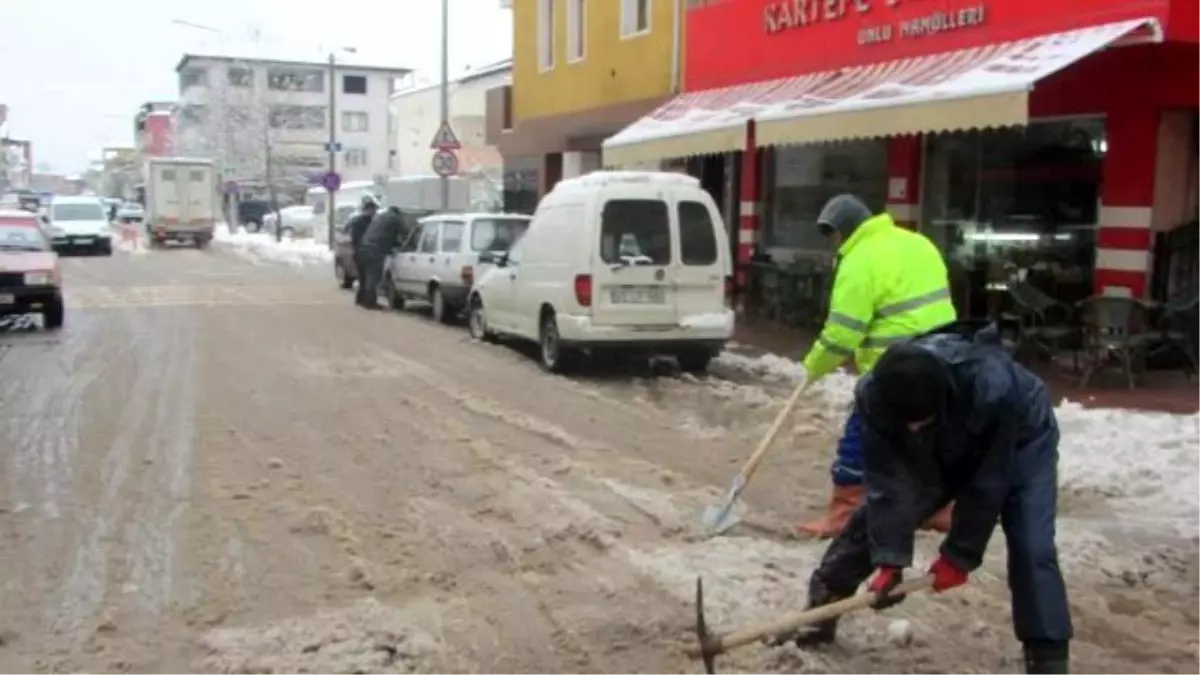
(258, 143)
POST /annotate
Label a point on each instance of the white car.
(627, 261)
(437, 262)
(79, 223)
(297, 221)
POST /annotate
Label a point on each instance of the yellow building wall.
(613, 70)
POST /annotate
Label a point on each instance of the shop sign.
(787, 15)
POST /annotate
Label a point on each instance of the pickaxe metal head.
(708, 647)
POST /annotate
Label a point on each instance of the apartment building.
(263, 118)
(582, 71)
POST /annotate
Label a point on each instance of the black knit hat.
(908, 384)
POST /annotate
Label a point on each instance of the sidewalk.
(1157, 391)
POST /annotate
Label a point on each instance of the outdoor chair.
(1176, 331)
(1043, 323)
(1114, 331)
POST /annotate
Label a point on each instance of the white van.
(622, 260)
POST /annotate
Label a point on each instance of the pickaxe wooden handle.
(709, 646)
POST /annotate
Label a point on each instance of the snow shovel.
(708, 646)
(718, 518)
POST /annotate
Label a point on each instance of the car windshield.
(497, 234)
(22, 238)
(67, 212)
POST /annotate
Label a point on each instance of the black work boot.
(1046, 656)
(819, 633)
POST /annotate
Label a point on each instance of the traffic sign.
(445, 139)
(333, 147)
(231, 187)
(445, 163)
(331, 181)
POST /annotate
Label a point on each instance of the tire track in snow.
(87, 581)
(166, 484)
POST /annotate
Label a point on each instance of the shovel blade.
(720, 518)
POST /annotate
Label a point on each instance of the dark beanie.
(908, 384)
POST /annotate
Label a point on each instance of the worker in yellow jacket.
(891, 285)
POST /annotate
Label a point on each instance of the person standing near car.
(380, 238)
(358, 228)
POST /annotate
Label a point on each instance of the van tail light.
(729, 291)
(467, 275)
(583, 290)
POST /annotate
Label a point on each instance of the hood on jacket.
(844, 213)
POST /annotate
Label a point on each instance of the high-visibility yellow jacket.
(891, 284)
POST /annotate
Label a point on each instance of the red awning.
(981, 87)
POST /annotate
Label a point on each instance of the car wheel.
(289, 232)
(345, 281)
(477, 322)
(555, 358)
(394, 299)
(106, 249)
(53, 315)
(694, 361)
(201, 243)
(442, 312)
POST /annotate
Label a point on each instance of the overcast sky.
(73, 72)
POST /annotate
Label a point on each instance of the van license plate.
(648, 295)
(83, 241)
(8, 299)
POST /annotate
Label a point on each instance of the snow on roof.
(160, 113)
(179, 160)
(348, 185)
(608, 178)
(297, 56)
(16, 214)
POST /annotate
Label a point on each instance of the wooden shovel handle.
(751, 464)
(792, 621)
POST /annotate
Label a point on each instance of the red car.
(30, 278)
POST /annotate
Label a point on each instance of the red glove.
(946, 574)
(882, 584)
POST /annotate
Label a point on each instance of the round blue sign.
(331, 181)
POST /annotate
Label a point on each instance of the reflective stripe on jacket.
(891, 285)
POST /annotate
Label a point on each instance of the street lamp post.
(445, 93)
(329, 192)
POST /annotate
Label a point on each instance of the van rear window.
(637, 231)
(697, 242)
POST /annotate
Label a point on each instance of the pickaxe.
(708, 646)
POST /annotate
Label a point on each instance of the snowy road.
(222, 465)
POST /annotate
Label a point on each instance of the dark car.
(30, 280)
(251, 212)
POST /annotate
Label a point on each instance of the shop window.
(637, 231)
(800, 179)
(1017, 203)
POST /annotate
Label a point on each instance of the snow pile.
(1142, 464)
(261, 246)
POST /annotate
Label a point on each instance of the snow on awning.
(981, 87)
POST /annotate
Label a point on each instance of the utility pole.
(330, 193)
(445, 180)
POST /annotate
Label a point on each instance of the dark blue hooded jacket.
(997, 415)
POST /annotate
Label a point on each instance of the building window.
(635, 17)
(1016, 203)
(545, 23)
(193, 115)
(193, 77)
(356, 156)
(355, 121)
(354, 84)
(297, 117)
(576, 29)
(296, 79)
(240, 77)
(799, 181)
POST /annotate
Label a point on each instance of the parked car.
(30, 279)
(344, 268)
(251, 213)
(297, 221)
(79, 223)
(630, 262)
(436, 264)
